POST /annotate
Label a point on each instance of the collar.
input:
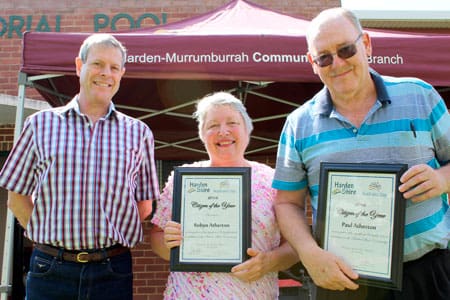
(74, 107)
(324, 104)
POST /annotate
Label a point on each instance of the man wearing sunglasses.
(361, 116)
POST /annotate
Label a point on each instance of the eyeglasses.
(344, 52)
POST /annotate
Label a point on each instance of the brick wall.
(150, 272)
(6, 136)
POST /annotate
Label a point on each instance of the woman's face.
(225, 136)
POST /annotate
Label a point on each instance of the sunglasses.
(344, 52)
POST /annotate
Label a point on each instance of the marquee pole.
(8, 247)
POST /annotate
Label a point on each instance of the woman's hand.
(172, 234)
(162, 241)
(259, 264)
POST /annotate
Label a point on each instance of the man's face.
(100, 75)
(343, 75)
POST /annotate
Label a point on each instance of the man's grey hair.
(329, 14)
(103, 39)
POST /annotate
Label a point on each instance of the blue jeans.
(52, 278)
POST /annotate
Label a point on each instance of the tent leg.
(7, 256)
(8, 249)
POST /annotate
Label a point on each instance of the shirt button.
(355, 130)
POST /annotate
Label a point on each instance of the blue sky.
(400, 9)
(419, 5)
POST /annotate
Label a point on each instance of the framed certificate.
(213, 206)
(361, 217)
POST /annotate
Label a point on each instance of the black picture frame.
(213, 206)
(361, 217)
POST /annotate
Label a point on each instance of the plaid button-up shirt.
(85, 179)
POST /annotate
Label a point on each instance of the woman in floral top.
(225, 127)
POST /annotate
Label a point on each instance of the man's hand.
(422, 182)
(329, 271)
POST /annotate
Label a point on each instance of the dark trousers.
(51, 278)
(427, 278)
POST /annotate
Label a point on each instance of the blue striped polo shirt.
(409, 123)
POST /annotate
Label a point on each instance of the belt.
(82, 256)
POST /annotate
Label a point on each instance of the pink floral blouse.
(265, 237)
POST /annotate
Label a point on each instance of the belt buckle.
(80, 259)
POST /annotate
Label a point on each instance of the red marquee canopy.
(257, 53)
